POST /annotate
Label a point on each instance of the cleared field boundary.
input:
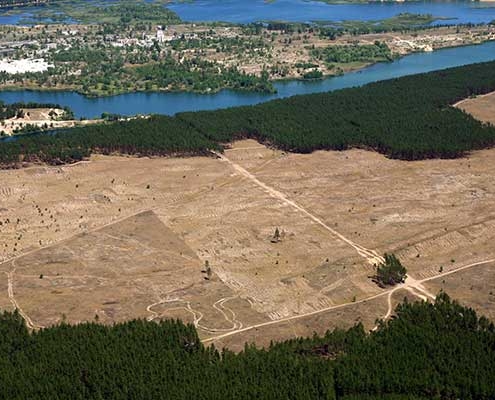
(473, 98)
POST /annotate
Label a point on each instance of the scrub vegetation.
(346, 54)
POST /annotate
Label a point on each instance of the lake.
(171, 103)
(244, 11)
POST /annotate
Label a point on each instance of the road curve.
(413, 284)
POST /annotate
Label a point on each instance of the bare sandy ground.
(473, 287)
(288, 50)
(41, 118)
(481, 107)
(117, 238)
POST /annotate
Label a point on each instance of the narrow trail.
(291, 318)
(414, 286)
(223, 309)
(411, 287)
(415, 293)
(198, 315)
(370, 255)
(10, 275)
(10, 290)
(453, 271)
(410, 284)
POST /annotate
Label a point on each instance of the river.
(171, 103)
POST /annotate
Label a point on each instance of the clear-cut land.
(118, 238)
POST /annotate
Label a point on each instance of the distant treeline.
(157, 135)
(440, 351)
(352, 53)
(408, 118)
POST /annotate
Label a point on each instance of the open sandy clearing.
(119, 238)
(42, 118)
(474, 287)
(480, 107)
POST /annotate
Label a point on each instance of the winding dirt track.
(219, 306)
(223, 309)
(413, 284)
(10, 289)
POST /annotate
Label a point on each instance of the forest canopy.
(430, 351)
(407, 118)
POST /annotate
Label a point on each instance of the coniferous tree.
(391, 271)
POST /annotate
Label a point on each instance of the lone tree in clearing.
(391, 272)
(207, 270)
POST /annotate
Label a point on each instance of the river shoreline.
(172, 103)
(350, 69)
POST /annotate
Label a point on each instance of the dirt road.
(10, 289)
(370, 255)
(409, 284)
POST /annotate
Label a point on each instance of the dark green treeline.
(441, 351)
(407, 118)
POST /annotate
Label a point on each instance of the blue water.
(243, 11)
(6, 19)
(171, 103)
(16, 16)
